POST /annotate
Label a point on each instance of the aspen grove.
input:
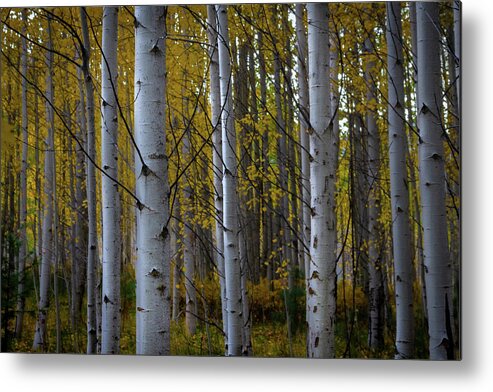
(267, 180)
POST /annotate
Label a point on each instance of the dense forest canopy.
(253, 179)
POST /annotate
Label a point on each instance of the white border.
(474, 373)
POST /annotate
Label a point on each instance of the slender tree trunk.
(282, 210)
(245, 309)
(255, 260)
(303, 118)
(321, 278)
(176, 261)
(432, 185)
(401, 236)
(230, 196)
(91, 191)
(151, 174)
(413, 183)
(23, 188)
(80, 261)
(47, 238)
(215, 97)
(189, 240)
(457, 50)
(375, 240)
(111, 312)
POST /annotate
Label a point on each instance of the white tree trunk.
(230, 196)
(110, 196)
(92, 245)
(401, 235)
(215, 97)
(47, 236)
(304, 120)
(432, 183)
(153, 265)
(23, 190)
(321, 278)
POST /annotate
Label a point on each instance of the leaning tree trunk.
(151, 176)
(401, 235)
(321, 277)
(23, 196)
(47, 236)
(215, 97)
(230, 196)
(92, 243)
(111, 315)
(432, 184)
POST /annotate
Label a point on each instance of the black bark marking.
(164, 233)
(145, 170)
(154, 273)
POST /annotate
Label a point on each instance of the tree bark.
(215, 98)
(375, 240)
(230, 196)
(432, 184)
(304, 120)
(401, 235)
(92, 244)
(321, 278)
(151, 176)
(47, 233)
(23, 188)
(111, 312)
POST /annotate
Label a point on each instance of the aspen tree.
(189, 234)
(401, 236)
(230, 196)
(92, 243)
(110, 196)
(321, 277)
(215, 98)
(47, 233)
(432, 184)
(304, 121)
(375, 263)
(151, 176)
(23, 189)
